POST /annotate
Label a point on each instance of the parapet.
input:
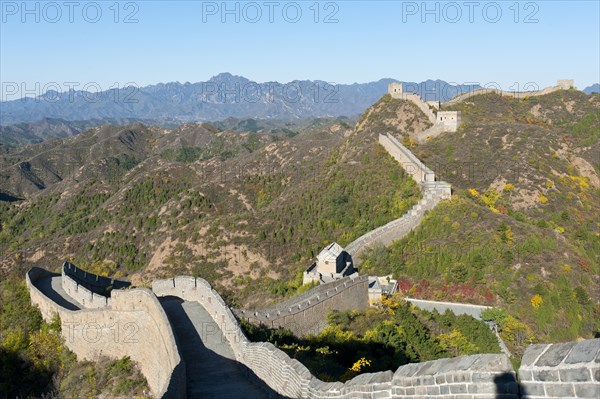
(90, 290)
(555, 371)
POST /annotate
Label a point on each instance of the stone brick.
(444, 389)
(407, 370)
(587, 391)
(545, 375)
(532, 389)
(461, 377)
(492, 363)
(575, 375)
(525, 375)
(559, 390)
(554, 355)
(596, 373)
(458, 388)
(531, 354)
(425, 380)
(440, 379)
(584, 351)
(481, 388)
(432, 367)
(433, 390)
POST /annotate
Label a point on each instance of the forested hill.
(521, 230)
(247, 211)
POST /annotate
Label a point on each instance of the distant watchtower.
(450, 120)
(565, 84)
(395, 89)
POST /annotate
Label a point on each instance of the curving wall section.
(86, 297)
(547, 371)
(477, 376)
(433, 193)
(133, 325)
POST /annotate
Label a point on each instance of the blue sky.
(363, 41)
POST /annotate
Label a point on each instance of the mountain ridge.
(222, 96)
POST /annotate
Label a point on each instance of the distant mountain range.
(595, 88)
(221, 97)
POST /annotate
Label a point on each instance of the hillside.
(49, 128)
(247, 211)
(521, 231)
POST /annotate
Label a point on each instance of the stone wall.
(89, 290)
(433, 192)
(199, 290)
(430, 133)
(84, 296)
(98, 284)
(456, 308)
(561, 370)
(477, 376)
(561, 85)
(416, 99)
(306, 313)
(134, 325)
(409, 162)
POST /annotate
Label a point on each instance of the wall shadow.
(507, 387)
(209, 374)
(4, 197)
(44, 284)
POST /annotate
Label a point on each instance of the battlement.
(89, 290)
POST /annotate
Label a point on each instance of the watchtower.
(395, 89)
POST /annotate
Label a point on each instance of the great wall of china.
(547, 371)
(182, 324)
(564, 84)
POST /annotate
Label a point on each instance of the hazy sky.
(147, 42)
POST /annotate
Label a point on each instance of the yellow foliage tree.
(360, 364)
(516, 332)
(474, 192)
(536, 301)
(456, 343)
